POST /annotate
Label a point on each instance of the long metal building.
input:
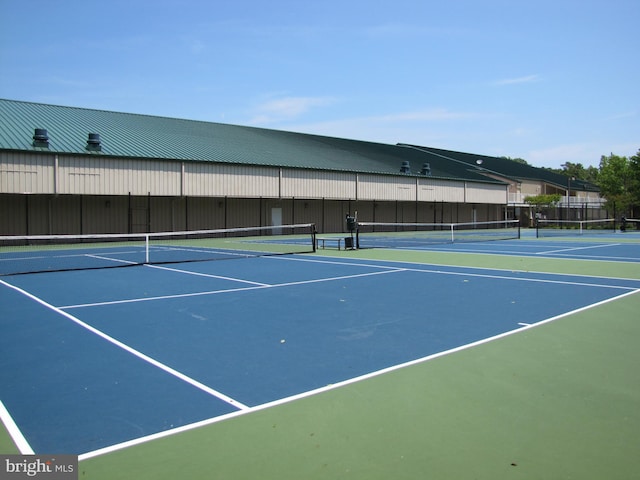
(66, 170)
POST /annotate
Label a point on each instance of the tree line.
(617, 177)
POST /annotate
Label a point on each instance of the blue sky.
(547, 81)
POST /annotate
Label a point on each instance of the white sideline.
(14, 431)
(131, 350)
(185, 428)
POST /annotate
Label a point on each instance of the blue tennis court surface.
(94, 358)
(615, 248)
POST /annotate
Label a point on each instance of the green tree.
(540, 201)
(578, 171)
(543, 202)
(575, 170)
(517, 160)
(616, 182)
(634, 187)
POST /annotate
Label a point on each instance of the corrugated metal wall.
(432, 190)
(380, 187)
(108, 176)
(215, 180)
(26, 173)
(99, 175)
(483, 193)
(317, 184)
(97, 194)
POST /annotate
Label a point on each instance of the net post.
(146, 248)
(452, 237)
(314, 234)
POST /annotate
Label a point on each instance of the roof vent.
(94, 143)
(41, 138)
(426, 170)
(405, 167)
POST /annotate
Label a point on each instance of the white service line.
(578, 248)
(230, 290)
(131, 350)
(117, 260)
(522, 279)
(485, 275)
(189, 272)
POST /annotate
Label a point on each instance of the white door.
(276, 219)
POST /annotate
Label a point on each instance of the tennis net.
(629, 224)
(415, 235)
(562, 228)
(48, 253)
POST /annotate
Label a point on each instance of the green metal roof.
(512, 169)
(143, 136)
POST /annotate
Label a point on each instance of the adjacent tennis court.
(99, 360)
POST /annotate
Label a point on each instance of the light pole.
(569, 198)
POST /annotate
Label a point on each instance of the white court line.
(230, 290)
(14, 432)
(117, 260)
(39, 257)
(595, 258)
(131, 350)
(217, 251)
(210, 421)
(189, 272)
(518, 279)
(459, 267)
(481, 275)
(578, 248)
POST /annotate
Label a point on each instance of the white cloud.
(517, 80)
(402, 118)
(420, 126)
(287, 108)
(555, 156)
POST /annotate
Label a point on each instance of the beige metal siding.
(109, 176)
(316, 184)
(432, 190)
(483, 193)
(25, 173)
(379, 187)
(215, 180)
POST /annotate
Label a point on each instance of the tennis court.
(618, 248)
(101, 362)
